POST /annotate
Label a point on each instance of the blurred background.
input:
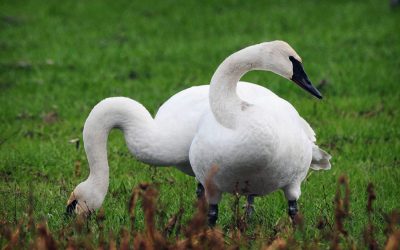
(58, 59)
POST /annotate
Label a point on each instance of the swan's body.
(263, 146)
(257, 146)
(162, 141)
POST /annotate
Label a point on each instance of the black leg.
(292, 209)
(212, 214)
(199, 191)
(249, 206)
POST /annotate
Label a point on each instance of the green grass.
(66, 57)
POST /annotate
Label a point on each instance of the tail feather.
(320, 159)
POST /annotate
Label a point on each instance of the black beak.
(300, 78)
(71, 207)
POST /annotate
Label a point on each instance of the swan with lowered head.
(257, 146)
(162, 141)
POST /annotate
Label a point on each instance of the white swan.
(259, 145)
(162, 141)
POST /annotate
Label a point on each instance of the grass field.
(57, 60)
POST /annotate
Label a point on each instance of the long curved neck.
(224, 101)
(142, 135)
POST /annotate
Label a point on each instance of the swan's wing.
(254, 94)
(185, 104)
(307, 129)
(257, 94)
(320, 158)
(179, 116)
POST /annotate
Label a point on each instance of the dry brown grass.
(195, 234)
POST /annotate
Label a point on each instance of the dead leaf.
(51, 117)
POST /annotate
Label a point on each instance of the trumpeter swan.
(257, 145)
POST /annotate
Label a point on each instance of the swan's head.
(84, 199)
(280, 58)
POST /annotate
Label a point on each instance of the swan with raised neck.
(257, 146)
